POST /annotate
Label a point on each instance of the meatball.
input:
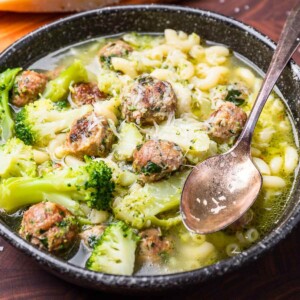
(156, 159)
(91, 236)
(153, 247)
(27, 87)
(49, 226)
(148, 100)
(226, 122)
(90, 135)
(86, 93)
(117, 48)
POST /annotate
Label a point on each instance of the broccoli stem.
(58, 88)
(7, 79)
(18, 192)
(90, 183)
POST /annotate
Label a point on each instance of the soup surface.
(100, 137)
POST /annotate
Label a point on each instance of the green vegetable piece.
(129, 138)
(7, 79)
(114, 252)
(39, 122)
(148, 204)
(91, 184)
(61, 105)
(151, 168)
(58, 88)
(233, 96)
(17, 160)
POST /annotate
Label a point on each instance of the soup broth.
(212, 90)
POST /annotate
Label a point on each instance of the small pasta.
(159, 52)
(184, 98)
(273, 182)
(124, 65)
(233, 249)
(246, 75)
(40, 156)
(266, 135)
(277, 106)
(98, 216)
(290, 159)
(213, 76)
(252, 235)
(56, 144)
(164, 74)
(181, 41)
(72, 161)
(276, 164)
(262, 166)
(216, 55)
(186, 69)
(197, 52)
(175, 57)
(107, 109)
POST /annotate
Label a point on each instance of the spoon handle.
(288, 42)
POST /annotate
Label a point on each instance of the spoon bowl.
(214, 200)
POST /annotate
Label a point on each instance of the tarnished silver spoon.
(222, 188)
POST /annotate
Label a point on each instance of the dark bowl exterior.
(155, 18)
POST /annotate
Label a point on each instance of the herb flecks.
(233, 96)
(151, 168)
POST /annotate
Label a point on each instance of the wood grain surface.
(276, 275)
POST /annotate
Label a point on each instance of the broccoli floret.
(62, 105)
(17, 160)
(114, 252)
(38, 122)
(148, 204)
(58, 88)
(7, 79)
(91, 184)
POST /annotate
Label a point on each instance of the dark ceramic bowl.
(210, 26)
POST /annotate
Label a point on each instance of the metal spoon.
(222, 188)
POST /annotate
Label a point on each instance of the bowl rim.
(167, 280)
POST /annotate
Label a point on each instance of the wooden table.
(274, 276)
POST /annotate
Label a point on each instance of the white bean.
(262, 166)
(276, 164)
(273, 182)
(290, 159)
(246, 75)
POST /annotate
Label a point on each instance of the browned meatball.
(49, 226)
(86, 93)
(90, 135)
(117, 48)
(227, 122)
(148, 100)
(153, 247)
(156, 159)
(28, 86)
(90, 236)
